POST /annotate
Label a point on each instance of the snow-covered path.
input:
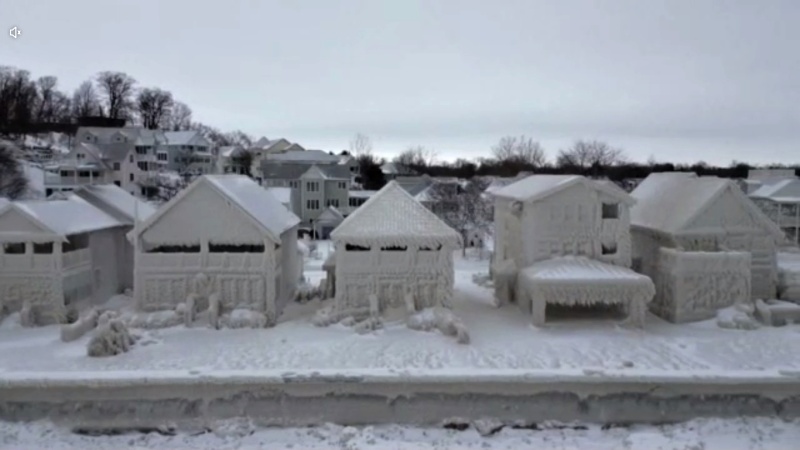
(502, 339)
(705, 434)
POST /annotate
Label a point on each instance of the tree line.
(27, 102)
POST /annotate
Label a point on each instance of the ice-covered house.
(59, 254)
(704, 243)
(227, 230)
(565, 240)
(389, 248)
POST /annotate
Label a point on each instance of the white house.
(780, 201)
(704, 243)
(391, 247)
(59, 254)
(227, 228)
(565, 240)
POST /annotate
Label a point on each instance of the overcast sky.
(681, 80)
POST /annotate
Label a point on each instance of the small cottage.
(327, 221)
(390, 248)
(704, 242)
(565, 240)
(59, 254)
(227, 230)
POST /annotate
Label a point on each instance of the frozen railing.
(24, 263)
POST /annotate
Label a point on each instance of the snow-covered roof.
(317, 156)
(766, 174)
(362, 194)
(581, 270)
(229, 151)
(181, 137)
(116, 201)
(788, 190)
(283, 194)
(330, 215)
(73, 215)
(393, 217)
(670, 201)
(538, 187)
(252, 200)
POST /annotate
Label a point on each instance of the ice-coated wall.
(290, 263)
(428, 275)
(692, 286)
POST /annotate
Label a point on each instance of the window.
(66, 173)
(142, 165)
(163, 157)
(45, 248)
(312, 204)
(332, 202)
(394, 248)
(312, 186)
(130, 158)
(130, 176)
(75, 242)
(118, 183)
(14, 248)
(610, 211)
(116, 166)
(294, 184)
(356, 248)
(235, 248)
(80, 156)
(176, 249)
(429, 249)
(342, 185)
(88, 138)
(83, 174)
(609, 249)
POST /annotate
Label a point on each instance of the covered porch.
(582, 282)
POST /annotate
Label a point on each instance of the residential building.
(565, 240)
(189, 152)
(228, 231)
(780, 201)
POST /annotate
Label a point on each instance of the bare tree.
(117, 89)
(243, 162)
(161, 188)
(239, 137)
(179, 118)
(153, 105)
(85, 101)
(522, 150)
(360, 145)
(463, 207)
(18, 96)
(416, 157)
(13, 182)
(588, 154)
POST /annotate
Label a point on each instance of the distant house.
(780, 201)
(393, 170)
(189, 152)
(356, 199)
(227, 229)
(59, 254)
(565, 240)
(327, 222)
(315, 187)
(227, 160)
(391, 247)
(704, 243)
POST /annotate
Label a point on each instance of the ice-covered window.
(394, 248)
(116, 166)
(609, 249)
(312, 204)
(14, 248)
(192, 248)
(356, 248)
(45, 248)
(342, 185)
(610, 210)
(235, 248)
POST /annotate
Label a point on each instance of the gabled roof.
(670, 201)
(293, 171)
(266, 212)
(61, 218)
(393, 217)
(283, 194)
(331, 214)
(315, 156)
(116, 201)
(787, 190)
(230, 151)
(313, 173)
(538, 187)
(182, 137)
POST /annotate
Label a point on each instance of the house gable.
(732, 210)
(538, 187)
(313, 173)
(16, 225)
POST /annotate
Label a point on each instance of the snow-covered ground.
(705, 434)
(502, 341)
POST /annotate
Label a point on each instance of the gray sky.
(677, 79)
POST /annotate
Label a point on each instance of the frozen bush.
(368, 325)
(27, 315)
(737, 318)
(213, 310)
(83, 325)
(110, 339)
(243, 318)
(154, 320)
(107, 316)
(325, 316)
(189, 310)
(440, 319)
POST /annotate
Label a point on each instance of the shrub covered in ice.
(439, 319)
(307, 292)
(110, 339)
(83, 325)
(368, 325)
(243, 318)
(154, 320)
(738, 317)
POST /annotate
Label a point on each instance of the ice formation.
(110, 339)
(440, 319)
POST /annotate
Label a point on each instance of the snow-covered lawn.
(502, 340)
(704, 434)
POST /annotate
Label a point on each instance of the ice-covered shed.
(59, 254)
(227, 230)
(393, 246)
(565, 239)
(704, 243)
